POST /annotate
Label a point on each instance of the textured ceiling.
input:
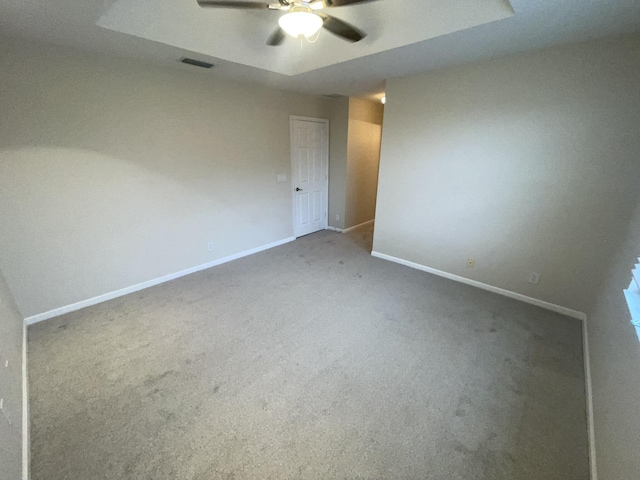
(536, 24)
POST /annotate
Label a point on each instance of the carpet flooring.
(312, 360)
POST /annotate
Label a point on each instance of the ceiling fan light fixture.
(300, 23)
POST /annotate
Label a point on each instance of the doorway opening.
(356, 136)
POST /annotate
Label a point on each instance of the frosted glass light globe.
(299, 23)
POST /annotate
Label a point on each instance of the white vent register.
(632, 294)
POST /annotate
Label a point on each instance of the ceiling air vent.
(197, 63)
(332, 95)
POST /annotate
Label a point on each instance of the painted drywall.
(527, 163)
(367, 110)
(11, 344)
(356, 132)
(338, 142)
(615, 366)
(363, 159)
(114, 173)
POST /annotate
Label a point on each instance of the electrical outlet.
(471, 263)
(534, 278)
(210, 246)
(337, 218)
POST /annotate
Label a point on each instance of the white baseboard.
(540, 303)
(347, 230)
(474, 283)
(150, 283)
(26, 439)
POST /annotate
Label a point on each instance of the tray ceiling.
(239, 35)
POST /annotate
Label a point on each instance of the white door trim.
(292, 119)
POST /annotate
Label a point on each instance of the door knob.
(298, 189)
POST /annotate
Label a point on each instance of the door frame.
(324, 121)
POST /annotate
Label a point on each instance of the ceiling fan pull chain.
(314, 38)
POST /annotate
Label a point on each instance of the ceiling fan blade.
(341, 29)
(232, 4)
(276, 38)
(342, 3)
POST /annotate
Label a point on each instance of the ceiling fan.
(303, 18)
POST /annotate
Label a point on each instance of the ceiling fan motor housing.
(302, 20)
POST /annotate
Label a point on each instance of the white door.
(310, 173)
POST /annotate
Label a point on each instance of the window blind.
(632, 294)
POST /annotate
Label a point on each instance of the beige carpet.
(309, 361)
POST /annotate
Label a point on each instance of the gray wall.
(114, 173)
(530, 163)
(11, 344)
(526, 163)
(615, 366)
(338, 138)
